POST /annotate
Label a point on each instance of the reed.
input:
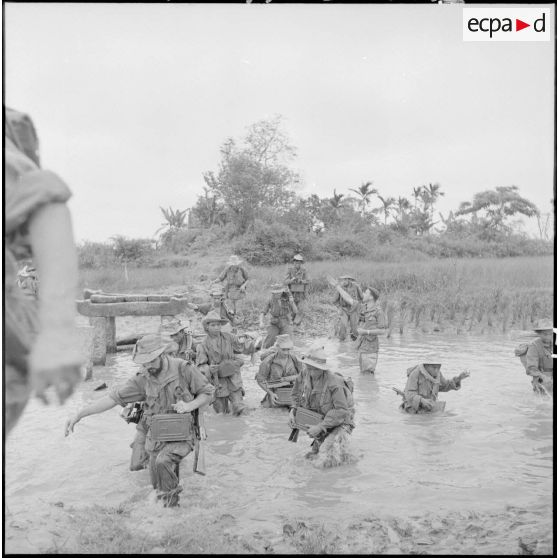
(469, 293)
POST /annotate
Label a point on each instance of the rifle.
(436, 405)
(199, 443)
(342, 292)
(283, 382)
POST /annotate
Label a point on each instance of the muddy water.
(491, 449)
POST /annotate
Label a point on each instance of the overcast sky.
(131, 102)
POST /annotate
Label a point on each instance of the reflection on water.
(492, 446)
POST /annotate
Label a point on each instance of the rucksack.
(349, 388)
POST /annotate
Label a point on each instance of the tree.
(497, 206)
(365, 192)
(174, 219)
(387, 204)
(253, 177)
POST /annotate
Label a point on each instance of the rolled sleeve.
(198, 383)
(340, 411)
(130, 392)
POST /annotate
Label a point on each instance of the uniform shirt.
(539, 359)
(326, 395)
(373, 319)
(279, 307)
(422, 384)
(295, 275)
(273, 367)
(235, 276)
(214, 350)
(161, 392)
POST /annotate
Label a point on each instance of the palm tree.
(174, 219)
(336, 202)
(365, 192)
(416, 194)
(387, 203)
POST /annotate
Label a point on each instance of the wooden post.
(111, 334)
(99, 353)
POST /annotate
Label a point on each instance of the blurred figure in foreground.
(41, 348)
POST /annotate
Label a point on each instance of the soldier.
(322, 391)
(219, 305)
(216, 359)
(281, 307)
(348, 309)
(166, 385)
(41, 347)
(180, 338)
(374, 325)
(297, 282)
(279, 365)
(235, 277)
(424, 381)
(539, 361)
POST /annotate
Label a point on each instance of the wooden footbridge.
(102, 309)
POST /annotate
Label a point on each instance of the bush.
(179, 241)
(140, 251)
(341, 245)
(270, 244)
(92, 255)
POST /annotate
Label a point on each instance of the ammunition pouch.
(229, 367)
(171, 427)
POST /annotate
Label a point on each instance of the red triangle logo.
(519, 25)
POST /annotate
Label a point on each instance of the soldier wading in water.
(327, 393)
(539, 363)
(216, 359)
(168, 386)
(279, 365)
(374, 324)
(296, 281)
(424, 381)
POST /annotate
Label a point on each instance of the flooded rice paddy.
(490, 452)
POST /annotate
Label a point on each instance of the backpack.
(349, 388)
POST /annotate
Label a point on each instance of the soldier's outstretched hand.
(70, 423)
(464, 374)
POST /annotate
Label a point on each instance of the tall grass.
(471, 294)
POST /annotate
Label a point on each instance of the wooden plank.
(171, 308)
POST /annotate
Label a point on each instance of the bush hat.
(213, 317)
(298, 258)
(234, 260)
(173, 327)
(316, 357)
(347, 277)
(284, 341)
(148, 348)
(543, 325)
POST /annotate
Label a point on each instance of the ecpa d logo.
(506, 24)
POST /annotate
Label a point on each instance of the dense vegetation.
(250, 205)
